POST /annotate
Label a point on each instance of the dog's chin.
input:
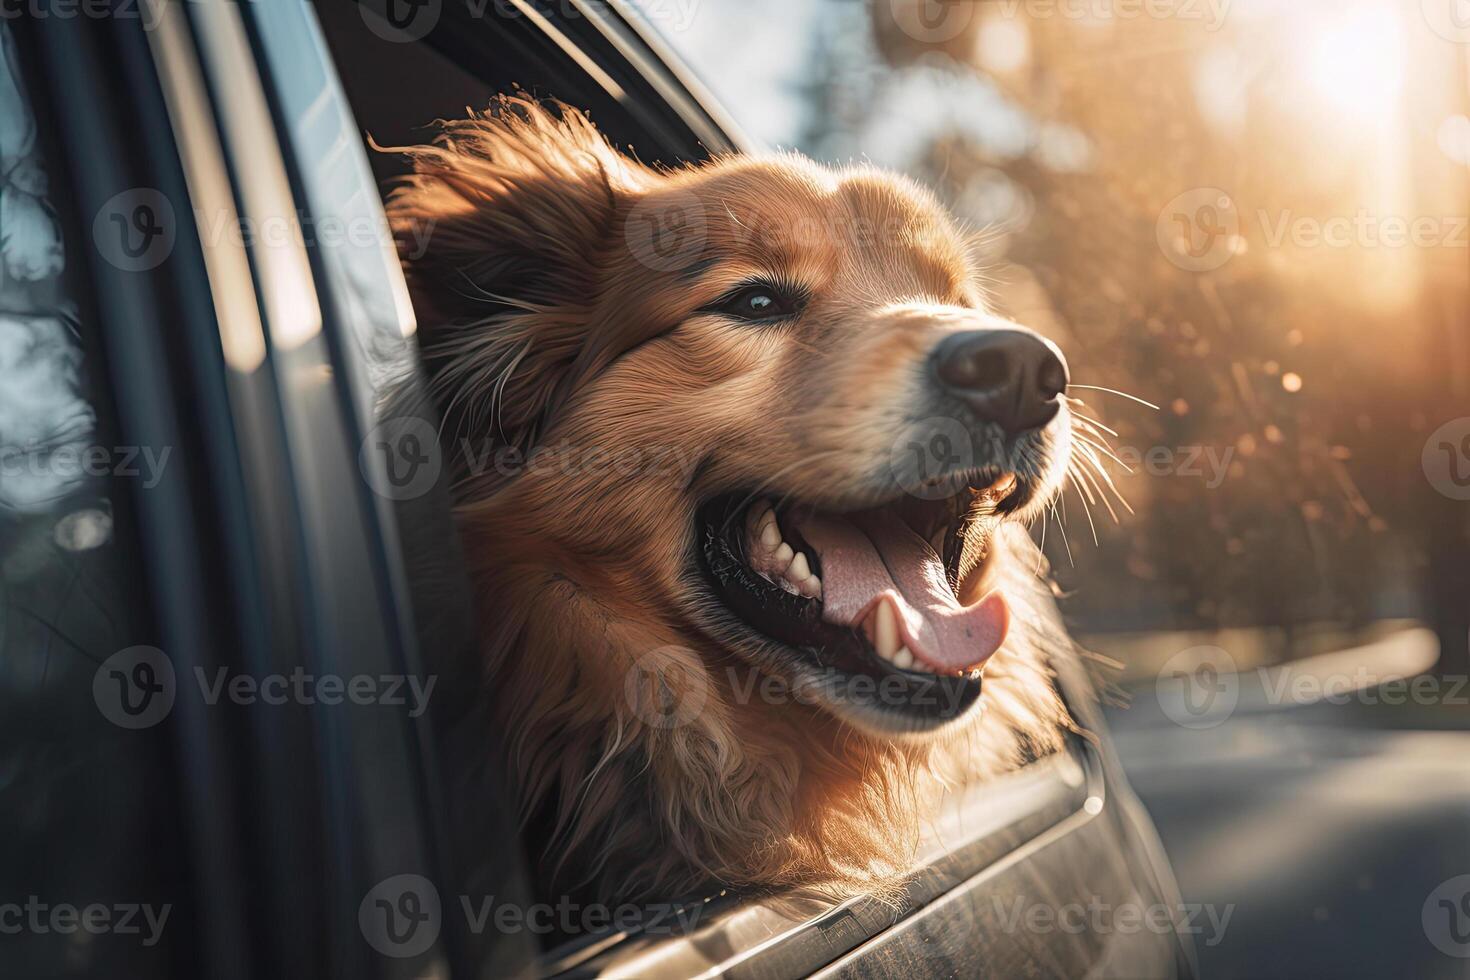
(805, 631)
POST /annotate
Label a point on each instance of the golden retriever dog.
(745, 608)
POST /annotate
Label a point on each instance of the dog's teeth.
(812, 587)
(885, 631)
(770, 535)
(903, 658)
(798, 570)
(783, 556)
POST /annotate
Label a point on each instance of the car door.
(240, 332)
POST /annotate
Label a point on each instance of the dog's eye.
(756, 302)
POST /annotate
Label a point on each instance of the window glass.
(90, 862)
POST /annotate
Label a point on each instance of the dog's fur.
(551, 320)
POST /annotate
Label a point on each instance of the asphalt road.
(1332, 835)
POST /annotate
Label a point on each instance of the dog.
(752, 590)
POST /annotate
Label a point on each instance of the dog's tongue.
(866, 557)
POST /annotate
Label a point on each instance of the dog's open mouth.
(897, 590)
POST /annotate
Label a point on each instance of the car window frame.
(242, 575)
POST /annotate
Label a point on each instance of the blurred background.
(1251, 215)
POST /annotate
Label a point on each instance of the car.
(235, 299)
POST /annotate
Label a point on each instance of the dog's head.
(760, 400)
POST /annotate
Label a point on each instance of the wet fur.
(548, 324)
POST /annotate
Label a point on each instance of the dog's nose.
(1009, 376)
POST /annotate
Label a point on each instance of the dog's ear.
(503, 227)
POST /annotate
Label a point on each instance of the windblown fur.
(556, 322)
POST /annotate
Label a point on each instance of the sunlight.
(1357, 64)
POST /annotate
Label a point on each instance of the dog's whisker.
(1090, 424)
(1114, 391)
(1094, 423)
(1071, 475)
(1088, 431)
(1102, 449)
(1083, 497)
(1083, 473)
(1062, 529)
(1088, 457)
(1098, 442)
(1041, 548)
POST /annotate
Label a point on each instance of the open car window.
(624, 73)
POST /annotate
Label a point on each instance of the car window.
(92, 872)
(504, 59)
